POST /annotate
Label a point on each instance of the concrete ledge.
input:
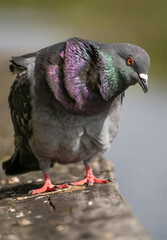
(98, 212)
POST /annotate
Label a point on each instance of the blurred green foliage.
(141, 22)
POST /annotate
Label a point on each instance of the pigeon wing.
(23, 159)
(20, 108)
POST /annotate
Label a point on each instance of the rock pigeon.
(66, 101)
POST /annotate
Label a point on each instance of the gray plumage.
(66, 101)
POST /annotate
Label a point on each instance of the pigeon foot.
(48, 186)
(90, 179)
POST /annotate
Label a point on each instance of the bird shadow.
(17, 190)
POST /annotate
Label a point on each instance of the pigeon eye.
(129, 61)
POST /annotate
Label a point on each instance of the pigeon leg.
(90, 179)
(48, 186)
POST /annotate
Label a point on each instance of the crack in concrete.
(51, 203)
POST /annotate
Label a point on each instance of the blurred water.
(139, 155)
(27, 30)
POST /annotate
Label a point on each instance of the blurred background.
(139, 153)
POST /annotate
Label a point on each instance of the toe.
(65, 185)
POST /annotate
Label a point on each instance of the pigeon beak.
(143, 81)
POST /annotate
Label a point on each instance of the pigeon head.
(86, 73)
(132, 64)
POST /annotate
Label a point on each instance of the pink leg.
(90, 179)
(48, 186)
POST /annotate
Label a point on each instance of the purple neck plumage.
(68, 82)
(77, 97)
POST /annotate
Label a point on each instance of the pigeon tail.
(22, 161)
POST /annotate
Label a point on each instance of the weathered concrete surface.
(97, 212)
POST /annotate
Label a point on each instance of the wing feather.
(20, 108)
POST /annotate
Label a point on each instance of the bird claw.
(70, 184)
(90, 183)
(48, 188)
(65, 185)
(109, 180)
(30, 192)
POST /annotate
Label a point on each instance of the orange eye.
(129, 61)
